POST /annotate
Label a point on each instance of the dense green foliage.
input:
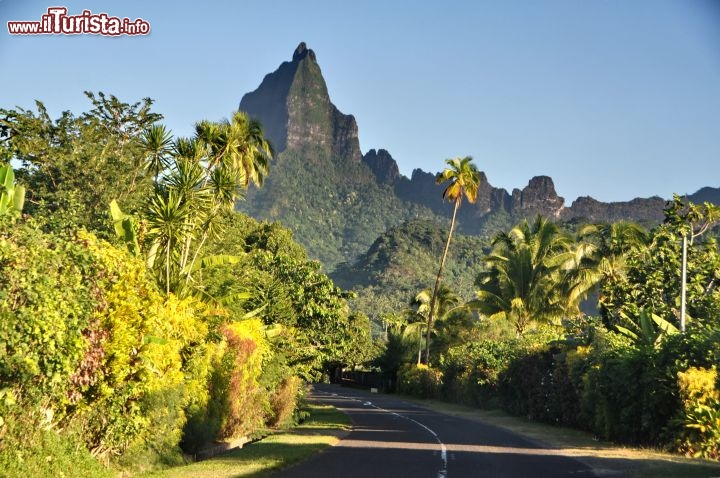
(314, 328)
(628, 375)
(73, 164)
(197, 325)
(403, 261)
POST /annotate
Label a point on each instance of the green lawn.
(322, 429)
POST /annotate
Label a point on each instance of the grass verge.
(323, 428)
(606, 459)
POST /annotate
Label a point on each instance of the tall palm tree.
(464, 179)
(523, 280)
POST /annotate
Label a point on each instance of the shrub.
(235, 404)
(471, 371)
(524, 385)
(88, 343)
(700, 415)
(283, 402)
(48, 294)
(29, 446)
(419, 380)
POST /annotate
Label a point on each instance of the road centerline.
(442, 473)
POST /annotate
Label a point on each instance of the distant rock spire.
(302, 51)
(294, 107)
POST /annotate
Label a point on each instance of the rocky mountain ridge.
(336, 198)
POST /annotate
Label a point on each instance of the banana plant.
(643, 333)
(12, 195)
(125, 228)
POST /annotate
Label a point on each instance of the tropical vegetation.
(143, 319)
(626, 372)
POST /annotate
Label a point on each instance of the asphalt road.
(394, 438)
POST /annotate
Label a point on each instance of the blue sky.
(613, 99)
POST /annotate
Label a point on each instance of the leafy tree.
(464, 179)
(289, 291)
(203, 178)
(653, 279)
(73, 164)
(523, 281)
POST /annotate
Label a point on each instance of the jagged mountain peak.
(303, 51)
(294, 106)
(338, 201)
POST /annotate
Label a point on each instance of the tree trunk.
(431, 314)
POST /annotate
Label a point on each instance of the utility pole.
(683, 284)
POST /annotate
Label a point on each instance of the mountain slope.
(319, 186)
(338, 201)
(404, 260)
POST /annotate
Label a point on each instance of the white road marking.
(442, 473)
(443, 450)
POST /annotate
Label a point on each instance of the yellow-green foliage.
(136, 390)
(697, 385)
(700, 397)
(89, 345)
(419, 380)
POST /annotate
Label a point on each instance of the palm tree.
(464, 180)
(237, 154)
(156, 143)
(523, 280)
(167, 227)
(600, 255)
(205, 177)
(238, 145)
(447, 302)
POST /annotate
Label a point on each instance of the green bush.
(524, 387)
(419, 380)
(30, 447)
(471, 371)
(48, 295)
(88, 343)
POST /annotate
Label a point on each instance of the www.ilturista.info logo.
(58, 22)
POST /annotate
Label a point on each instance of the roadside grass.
(605, 458)
(321, 429)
